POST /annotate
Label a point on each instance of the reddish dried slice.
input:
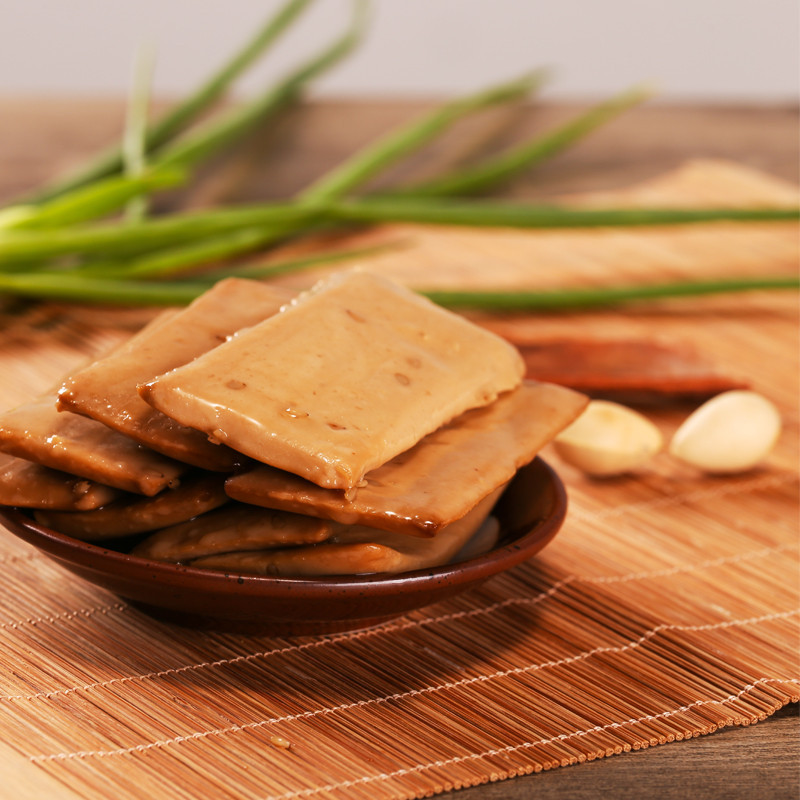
(625, 369)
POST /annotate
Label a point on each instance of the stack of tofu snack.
(354, 428)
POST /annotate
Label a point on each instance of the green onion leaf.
(501, 168)
(575, 299)
(369, 161)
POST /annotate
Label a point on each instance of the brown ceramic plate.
(530, 511)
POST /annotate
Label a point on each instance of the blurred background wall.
(719, 51)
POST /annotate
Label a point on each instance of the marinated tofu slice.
(233, 528)
(28, 485)
(359, 550)
(106, 389)
(345, 378)
(197, 495)
(438, 480)
(38, 432)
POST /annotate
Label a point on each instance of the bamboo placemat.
(665, 609)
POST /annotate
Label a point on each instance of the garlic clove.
(609, 439)
(732, 432)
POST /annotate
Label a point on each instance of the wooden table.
(39, 138)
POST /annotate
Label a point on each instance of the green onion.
(510, 215)
(369, 161)
(136, 238)
(175, 260)
(179, 117)
(58, 286)
(490, 173)
(193, 148)
(272, 270)
(134, 140)
(87, 203)
(573, 299)
(126, 239)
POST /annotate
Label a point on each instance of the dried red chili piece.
(629, 370)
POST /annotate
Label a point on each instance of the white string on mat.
(66, 615)
(417, 692)
(391, 627)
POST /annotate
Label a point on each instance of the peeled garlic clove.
(608, 439)
(732, 432)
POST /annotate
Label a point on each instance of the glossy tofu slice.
(359, 550)
(233, 528)
(106, 389)
(132, 514)
(438, 480)
(351, 374)
(38, 432)
(29, 485)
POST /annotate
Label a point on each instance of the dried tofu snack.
(36, 431)
(359, 550)
(438, 480)
(28, 485)
(232, 528)
(345, 378)
(106, 389)
(127, 515)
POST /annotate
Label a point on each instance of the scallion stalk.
(129, 239)
(578, 299)
(503, 167)
(199, 145)
(134, 140)
(69, 286)
(86, 203)
(518, 215)
(371, 160)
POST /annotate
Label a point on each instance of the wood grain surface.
(40, 138)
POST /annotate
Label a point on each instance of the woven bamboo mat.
(665, 609)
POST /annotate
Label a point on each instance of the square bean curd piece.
(349, 375)
(441, 478)
(106, 390)
(28, 485)
(36, 431)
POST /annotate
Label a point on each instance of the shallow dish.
(530, 512)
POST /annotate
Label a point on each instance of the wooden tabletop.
(41, 137)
